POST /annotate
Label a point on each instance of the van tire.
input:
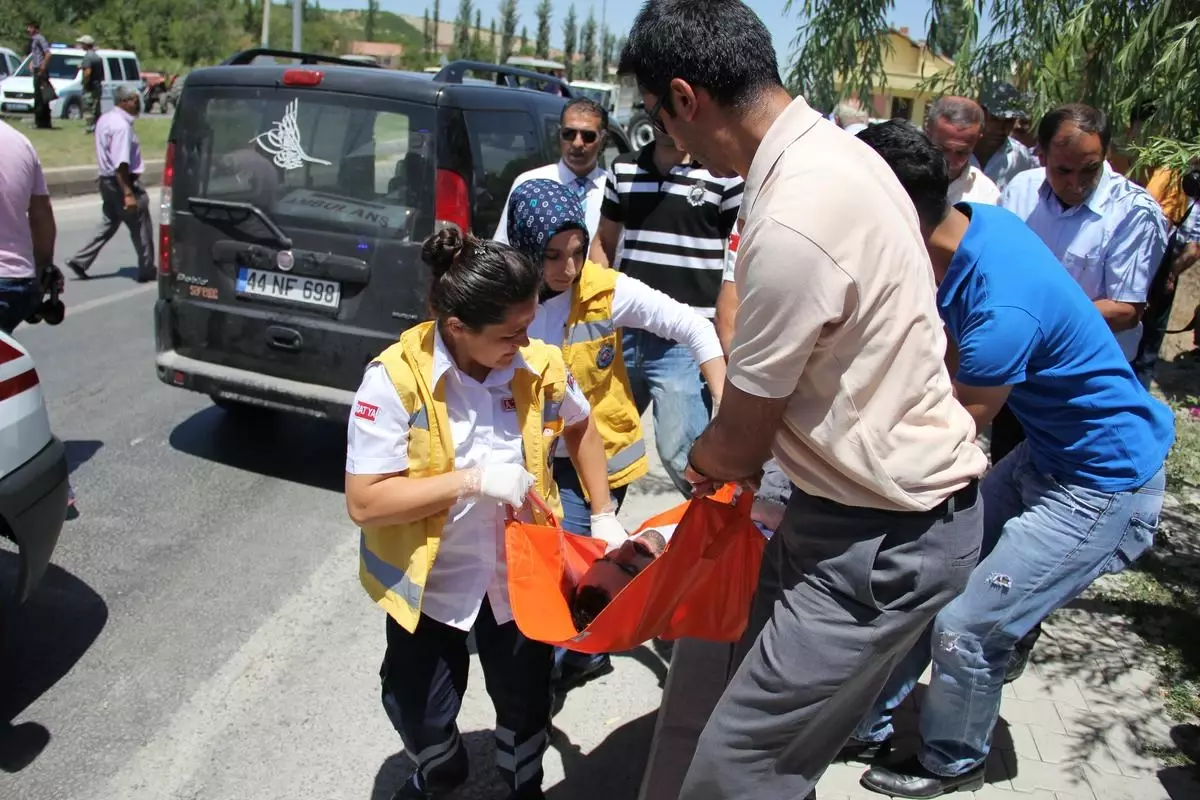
(641, 130)
(73, 109)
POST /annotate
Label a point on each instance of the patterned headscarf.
(537, 211)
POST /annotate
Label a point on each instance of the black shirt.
(676, 225)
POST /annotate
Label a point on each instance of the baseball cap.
(1003, 100)
(85, 39)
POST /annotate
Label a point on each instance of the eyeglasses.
(655, 120)
(569, 134)
(631, 548)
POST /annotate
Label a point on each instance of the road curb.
(69, 181)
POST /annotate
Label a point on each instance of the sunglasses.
(589, 137)
(655, 120)
(630, 569)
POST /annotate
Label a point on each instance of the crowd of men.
(884, 294)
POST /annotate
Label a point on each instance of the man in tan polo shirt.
(837, 368)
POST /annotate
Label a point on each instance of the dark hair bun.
(442, 248)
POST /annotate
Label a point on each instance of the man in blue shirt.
(1079, 498)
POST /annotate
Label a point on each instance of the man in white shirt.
(583, 134)
(1107, 231)
(954, 125)
(997, 153)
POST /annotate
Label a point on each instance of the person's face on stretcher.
(610, 574)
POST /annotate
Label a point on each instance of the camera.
(1190, 183)
(51, 309)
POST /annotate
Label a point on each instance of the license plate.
(17, 106)
(291, 288)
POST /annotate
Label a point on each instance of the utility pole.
(297, 24)
(266, 30)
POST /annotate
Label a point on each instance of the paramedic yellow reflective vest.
(395, 560)
(592, 349)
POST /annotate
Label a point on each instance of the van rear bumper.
(252, 388)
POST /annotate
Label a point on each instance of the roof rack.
(248, 56)
(455, 70)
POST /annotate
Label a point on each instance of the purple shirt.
(20, 180)
(117, 143)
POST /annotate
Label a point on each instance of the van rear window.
(317, 160)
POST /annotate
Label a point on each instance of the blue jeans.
(1044, 542)
(577, 518)
(19, 297)
(577, 513)
(664, 371)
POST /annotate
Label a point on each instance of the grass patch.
(66, 145)
(1183, 462)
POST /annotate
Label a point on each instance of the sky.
(906, 13)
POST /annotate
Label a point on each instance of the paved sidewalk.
(1085, 722)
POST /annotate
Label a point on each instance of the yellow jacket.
(395, 560)
(592, 349)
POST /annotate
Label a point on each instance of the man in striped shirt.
(676, 218)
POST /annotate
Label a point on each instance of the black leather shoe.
(910, 780)
(410, 791)
(864, 752)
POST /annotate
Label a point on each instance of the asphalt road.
(202, 634)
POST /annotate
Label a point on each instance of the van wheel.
(641, 130)
(74, 110)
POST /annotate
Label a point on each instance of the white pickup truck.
(33, 473)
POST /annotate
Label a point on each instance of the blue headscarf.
(537, 211)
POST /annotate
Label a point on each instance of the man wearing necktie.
(583, 134)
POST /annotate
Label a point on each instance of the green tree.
(436, 29)
(544, 11)
(570, 41)
(508, 32)
(1113, 54)
(461, 48)
(477, 38)
(425, 40)
(607, 54)
(492, 55)
(525, 41)
(587, 48)
(947, 25)
(369, 23)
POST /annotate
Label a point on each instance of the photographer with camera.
(1179, 197)
(27, 233)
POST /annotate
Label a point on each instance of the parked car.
(33, 474)
(295, 201)
(9, 62)
(121, 67)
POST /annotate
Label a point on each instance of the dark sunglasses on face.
(589, 137)
(637, 549)
(655, 119)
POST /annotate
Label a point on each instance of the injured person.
(611, 573)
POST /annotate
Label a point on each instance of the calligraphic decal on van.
(282, 142)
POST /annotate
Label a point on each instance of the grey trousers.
(141, 227)
(843, 594)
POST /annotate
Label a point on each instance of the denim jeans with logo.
(665, 372)
(1045, 541)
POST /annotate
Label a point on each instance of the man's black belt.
(963, 499)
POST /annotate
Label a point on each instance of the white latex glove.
(504, 483)
(606, 528)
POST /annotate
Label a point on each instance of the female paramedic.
(583, 308)
(450, 427)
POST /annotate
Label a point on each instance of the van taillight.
(164, 222)
(451, 203)
(302, 77)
